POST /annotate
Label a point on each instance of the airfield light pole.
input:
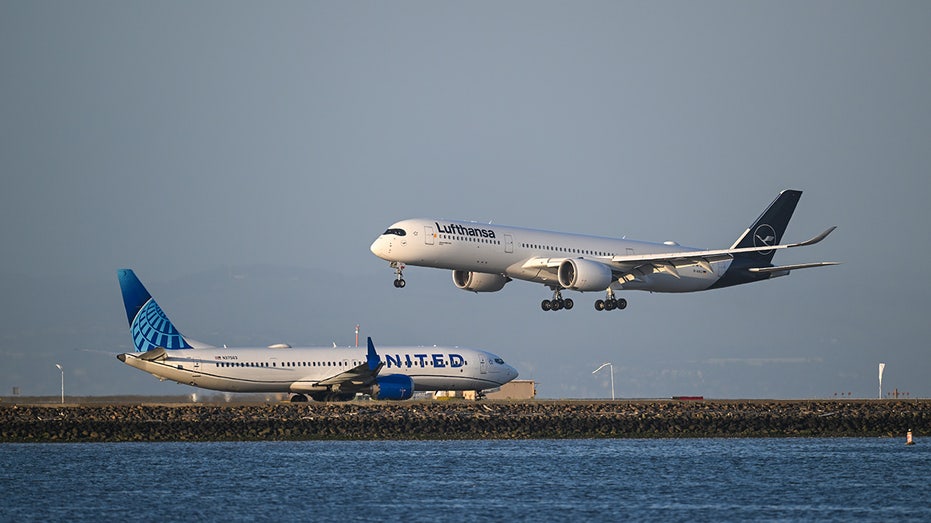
(882, 367)
(62, 382)
(603, 365)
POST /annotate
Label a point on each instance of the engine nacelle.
(479, 281)
(393, 387)
(584, 275)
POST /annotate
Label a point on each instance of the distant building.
(515, 390)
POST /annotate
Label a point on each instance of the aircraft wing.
(361, 375)
(358, 376)
(631, 267)
(695, 256)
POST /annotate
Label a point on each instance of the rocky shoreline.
(412, 420)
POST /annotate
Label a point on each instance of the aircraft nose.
(377, 246)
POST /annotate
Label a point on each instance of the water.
(438, 481)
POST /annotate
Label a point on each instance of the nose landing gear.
(398, 275)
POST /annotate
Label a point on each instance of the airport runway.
(457, 419)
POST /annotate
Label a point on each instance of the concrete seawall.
(463, 420)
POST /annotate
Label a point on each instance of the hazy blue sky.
(242, 156)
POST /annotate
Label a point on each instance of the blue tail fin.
(372, 357)
(149, 326)
(768, 228)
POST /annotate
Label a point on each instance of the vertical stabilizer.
(768, 228)
(148, 324)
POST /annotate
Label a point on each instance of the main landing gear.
(327, 395)
(557, 303)
(610, 303)
(398, 275)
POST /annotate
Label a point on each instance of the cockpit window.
(396, 232)
(499, 361)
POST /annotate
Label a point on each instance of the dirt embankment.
(463, 420)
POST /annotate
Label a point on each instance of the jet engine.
(393, 387)
(479, 281)
(579, 274)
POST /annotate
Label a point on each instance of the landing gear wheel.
(568, 303)
(545, 305)
(299, 398)
(400, 283)
(599, 305)
(610, 305)
(622, 304)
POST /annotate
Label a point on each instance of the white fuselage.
(521, 253)
(300, 369)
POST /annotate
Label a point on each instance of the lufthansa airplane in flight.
(484, 257)
(321, 373)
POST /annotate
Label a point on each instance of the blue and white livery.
(322, 373)
(485, 257)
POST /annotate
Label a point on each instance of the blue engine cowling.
(393, 387)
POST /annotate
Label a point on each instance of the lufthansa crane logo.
(764, 236)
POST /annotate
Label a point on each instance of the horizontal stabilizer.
(792, 267)
(155, 354)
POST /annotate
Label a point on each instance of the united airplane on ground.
(484, 257)
(321, 373)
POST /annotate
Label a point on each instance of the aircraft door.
(482, 365)
(428, 234)
(508, 243)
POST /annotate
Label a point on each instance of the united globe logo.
(151, 329)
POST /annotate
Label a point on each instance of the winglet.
(816, 239)
(372, 357)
